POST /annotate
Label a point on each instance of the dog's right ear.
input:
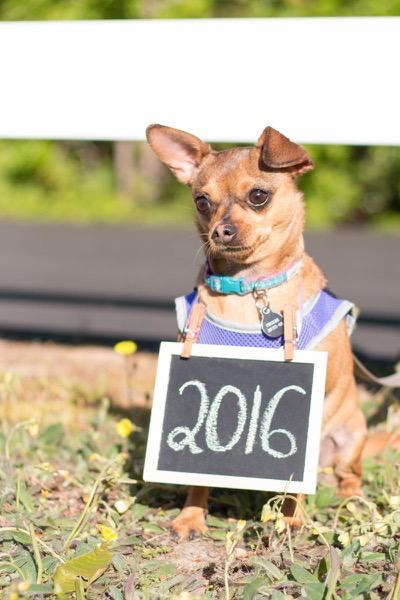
(180, 151)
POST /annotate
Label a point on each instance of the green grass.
(69, 471)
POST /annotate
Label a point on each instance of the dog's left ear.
(278, 152)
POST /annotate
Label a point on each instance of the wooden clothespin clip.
(193, 329)
(289, 332)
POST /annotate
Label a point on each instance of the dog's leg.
(350, 441)
(344, 428)
(347, 432)
(191, 519)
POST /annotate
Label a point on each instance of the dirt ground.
(97, 368)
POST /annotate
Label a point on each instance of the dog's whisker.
(204, 247)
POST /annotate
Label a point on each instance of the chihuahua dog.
(250, 216)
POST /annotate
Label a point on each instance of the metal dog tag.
(271, 322)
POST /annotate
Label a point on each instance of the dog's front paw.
(189, 523)
(350, 487)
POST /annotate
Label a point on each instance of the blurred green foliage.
(76, 181)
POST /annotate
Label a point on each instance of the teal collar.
(239, 285)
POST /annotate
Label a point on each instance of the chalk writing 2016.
(209, 412)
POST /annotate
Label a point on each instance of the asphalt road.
(103, 283)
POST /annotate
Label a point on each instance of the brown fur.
(268, 240)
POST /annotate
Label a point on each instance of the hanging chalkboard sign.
(236, 418)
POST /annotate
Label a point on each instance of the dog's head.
(247, 203)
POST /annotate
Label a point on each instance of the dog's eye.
(203, 204)
(258, 198)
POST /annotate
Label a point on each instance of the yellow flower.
(94, 457)
(267, 514)
(108, 534)
(33, 429)
(45, 493)
(280, 525)
(125, 347)
(45, 466)
(240, 525)
(344, 538)
(124, 427)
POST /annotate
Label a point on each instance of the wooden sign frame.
(309, 481)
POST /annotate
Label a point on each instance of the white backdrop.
(319, 80)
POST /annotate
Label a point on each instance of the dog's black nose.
(224, 234)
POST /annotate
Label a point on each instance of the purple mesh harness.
(320, 316)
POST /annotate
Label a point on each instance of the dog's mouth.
(232, 249)
(235, 248)
(239, 250)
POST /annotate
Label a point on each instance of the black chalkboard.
(236, 417)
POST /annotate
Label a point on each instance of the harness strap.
(197, 315)
(361, 370)
(289, 332)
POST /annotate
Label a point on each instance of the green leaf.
(25, 561)
(172, 582)
(301, 575)
(215, 522)
(119, 562)
(115, 593)
(333, 572)
(359, 583)
(271, 570)
(314, 591)
(21, 537)
(25, 497)
(352, 580)
(217, 534)
(59, 523)
(350, 554)
(325, 497)
(129, 541)
(88, 566)
(251, 588)
(372, 556)
(138, 511)
(52, 434)
(152, 528)
(79, 589)
(159, 568)
(49, 563)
